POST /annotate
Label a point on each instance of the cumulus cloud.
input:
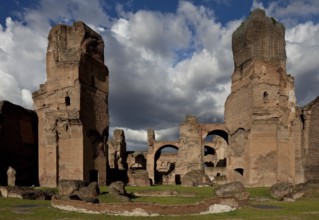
(22, 62)
(302, 45)
(302, 49)
(162, 65)
(290, 12)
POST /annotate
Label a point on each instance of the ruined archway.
(239, 174)
(217, 132)
(164, 164)
(210, 156)
(215, 143)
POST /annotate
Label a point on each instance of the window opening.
(67, 101)
(265, 96)
(240, 171)
(93, 81)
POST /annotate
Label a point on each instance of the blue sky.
(225, 9)
(167, 58)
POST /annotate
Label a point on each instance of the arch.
(238, 174)
(139, 163)
(240, 171)
(222, 163)
(165, 170)
(220, 133)
(210, 156)
(209, 150)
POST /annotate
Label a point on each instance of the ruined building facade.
(18, 145)
(72, 107)
(266, 138)
(260, 113)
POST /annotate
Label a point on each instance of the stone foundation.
(212, 205)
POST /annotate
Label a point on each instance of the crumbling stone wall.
(72, 107)
(18, 145)
(117, 157)
(261, 110)
(194, 152)
(117, 150)
(190, 147)
(310, 118)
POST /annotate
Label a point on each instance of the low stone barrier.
(207, 206)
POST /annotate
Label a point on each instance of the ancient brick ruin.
(18, 145)
(265, 138)
(72, 107)
(260, 112)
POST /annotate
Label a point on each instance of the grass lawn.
(306, 208)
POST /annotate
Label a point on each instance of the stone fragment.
(117, 188)
(196, 178)
(67, 187)
(117, 150)
(281, 189)
(21, 192)
(138, 178)
(11, 176)
(90, 191)
(231, 189)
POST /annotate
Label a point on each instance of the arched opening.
(240, 171)
(139, 163)
(209, 151)
(218, 139)
(211, 136)
(164, 164)
(222, 163)
(238, 174)
(94, 175)
(210, 156)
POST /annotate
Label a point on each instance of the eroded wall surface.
(72, 107)
(310, 160)
(260, 112)
(18, 145)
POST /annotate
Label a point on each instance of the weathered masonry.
(18, 145)
(260, 113)
(266, 138)
(72, 107)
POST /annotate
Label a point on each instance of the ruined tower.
(260, 112)
(72, 107)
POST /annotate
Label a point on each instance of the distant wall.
(18, 144)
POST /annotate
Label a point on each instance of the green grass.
(259, 192)
(306, 208)
(185, 195)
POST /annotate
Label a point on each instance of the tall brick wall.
(18, 144)
(72, 107)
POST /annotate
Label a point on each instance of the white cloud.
(290, 12)
(22, 51)
(302, 49)
(162, 65)
(10, 90)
